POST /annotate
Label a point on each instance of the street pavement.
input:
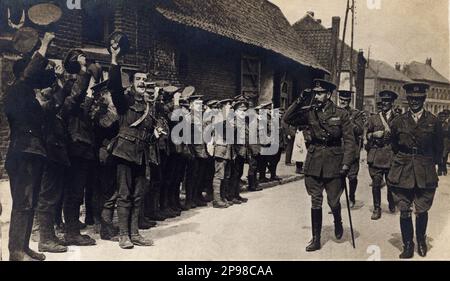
(273, 225)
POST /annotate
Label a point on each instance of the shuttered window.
(250, 76)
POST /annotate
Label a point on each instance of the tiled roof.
(424, 72)
(255, 22)
(318, 39)
(383, 70)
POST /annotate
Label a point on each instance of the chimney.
(319, 21)
(335, 28)
(429, 61)
(311, 13)
(398, 66)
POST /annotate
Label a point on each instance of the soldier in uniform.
(26, 154)
(180, 153)
(242, 152)
(131, 151)
(196, 171)
(269, 162)
(417, 142)
(330, 153)
(223, 155)
(106, 127)
(357, 120)
(81, 147)
(380, 153)
(58, 163)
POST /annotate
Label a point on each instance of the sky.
(395, 30)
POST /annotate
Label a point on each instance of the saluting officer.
(330, 153)
(380, 153)
(418, 144)
(357, 120)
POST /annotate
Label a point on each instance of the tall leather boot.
(338, 229)
(316, 223)
(107, 229)
(299, 168)
(73, 235)
(407, 229)
(88, 202)
(124, 225)
(17, 236)
(273, 171)
(135, 237)
(152, 197)
(390, 199)
(376, 193)
(353, 184)
(421, 230)
(47, 241)
(34, 255)
(253, 184)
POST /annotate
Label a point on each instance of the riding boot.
(338, 229)
(316, 223)
(124, 223)
(353, 185)
(376, 193)
(107, 229)
(73, 235)
(407, 229)
(421, 230)
(47, 241)
(17, 236)
(135, 237)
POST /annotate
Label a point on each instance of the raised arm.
(297, 114)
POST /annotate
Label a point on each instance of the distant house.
(382, 76)
(223, 48)
(325, 45)
(439, 95)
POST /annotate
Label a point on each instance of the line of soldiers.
(78, 138)
(403, 150)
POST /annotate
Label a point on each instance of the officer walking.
(380, 153)
(357, 120)
(417, 142)
(330, 153)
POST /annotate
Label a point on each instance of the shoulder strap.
(142, 118)
(385, 123)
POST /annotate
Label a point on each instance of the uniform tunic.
(332, 146)
(418, 148)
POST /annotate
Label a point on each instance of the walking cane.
(344, 183)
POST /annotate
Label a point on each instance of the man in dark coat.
(380, 153)
(57, 165)
(330, 153)
(82, 151)
(131, 150)
(26, 155)
(417, 142)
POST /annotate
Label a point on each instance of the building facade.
(438, 98)
(325, 45)
(382, 76)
